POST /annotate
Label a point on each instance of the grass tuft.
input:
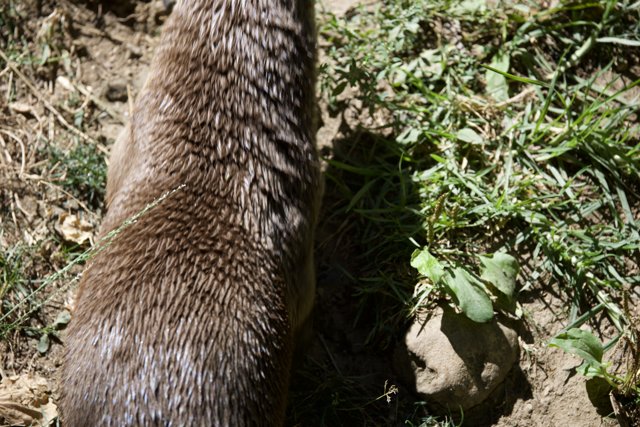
(470, 130)
(82, 172)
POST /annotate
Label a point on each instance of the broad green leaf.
(62, 319)
(46, 53)
(470, 295)
(469, 6)
(413, 26)
(469, 135)
(432, 56)
(339, 88)
(43, 344)
(581, 343)
(501, 271)
(427, 264)
(409, 135)
(497, 86)
(590, 371)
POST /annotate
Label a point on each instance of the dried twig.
(103, 106)
(22, 149)
(50, 107)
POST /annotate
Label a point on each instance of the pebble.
(453, 361)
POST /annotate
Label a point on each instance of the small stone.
(22, 108)
(116, 91)
(134, 51)
(453, 361)
(65, 83)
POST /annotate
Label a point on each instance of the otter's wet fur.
(189, 316)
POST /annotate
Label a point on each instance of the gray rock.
(453, 361)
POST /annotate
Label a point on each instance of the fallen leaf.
(24, 401)
(65, 83)
(74, 229)
(15, 414)
(49, 413)
(22, 108)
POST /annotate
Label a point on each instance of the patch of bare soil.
(82, 99)
(68, 69)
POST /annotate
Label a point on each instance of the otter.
(189, 316)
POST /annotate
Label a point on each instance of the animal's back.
(188, 317)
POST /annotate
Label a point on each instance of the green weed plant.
(501, 154)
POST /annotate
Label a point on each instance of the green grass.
(23, 294)
(480, 130)
(11, 274)
(82, 172)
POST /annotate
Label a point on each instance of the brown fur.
(188, 318)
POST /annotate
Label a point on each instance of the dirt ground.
(109, 47)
